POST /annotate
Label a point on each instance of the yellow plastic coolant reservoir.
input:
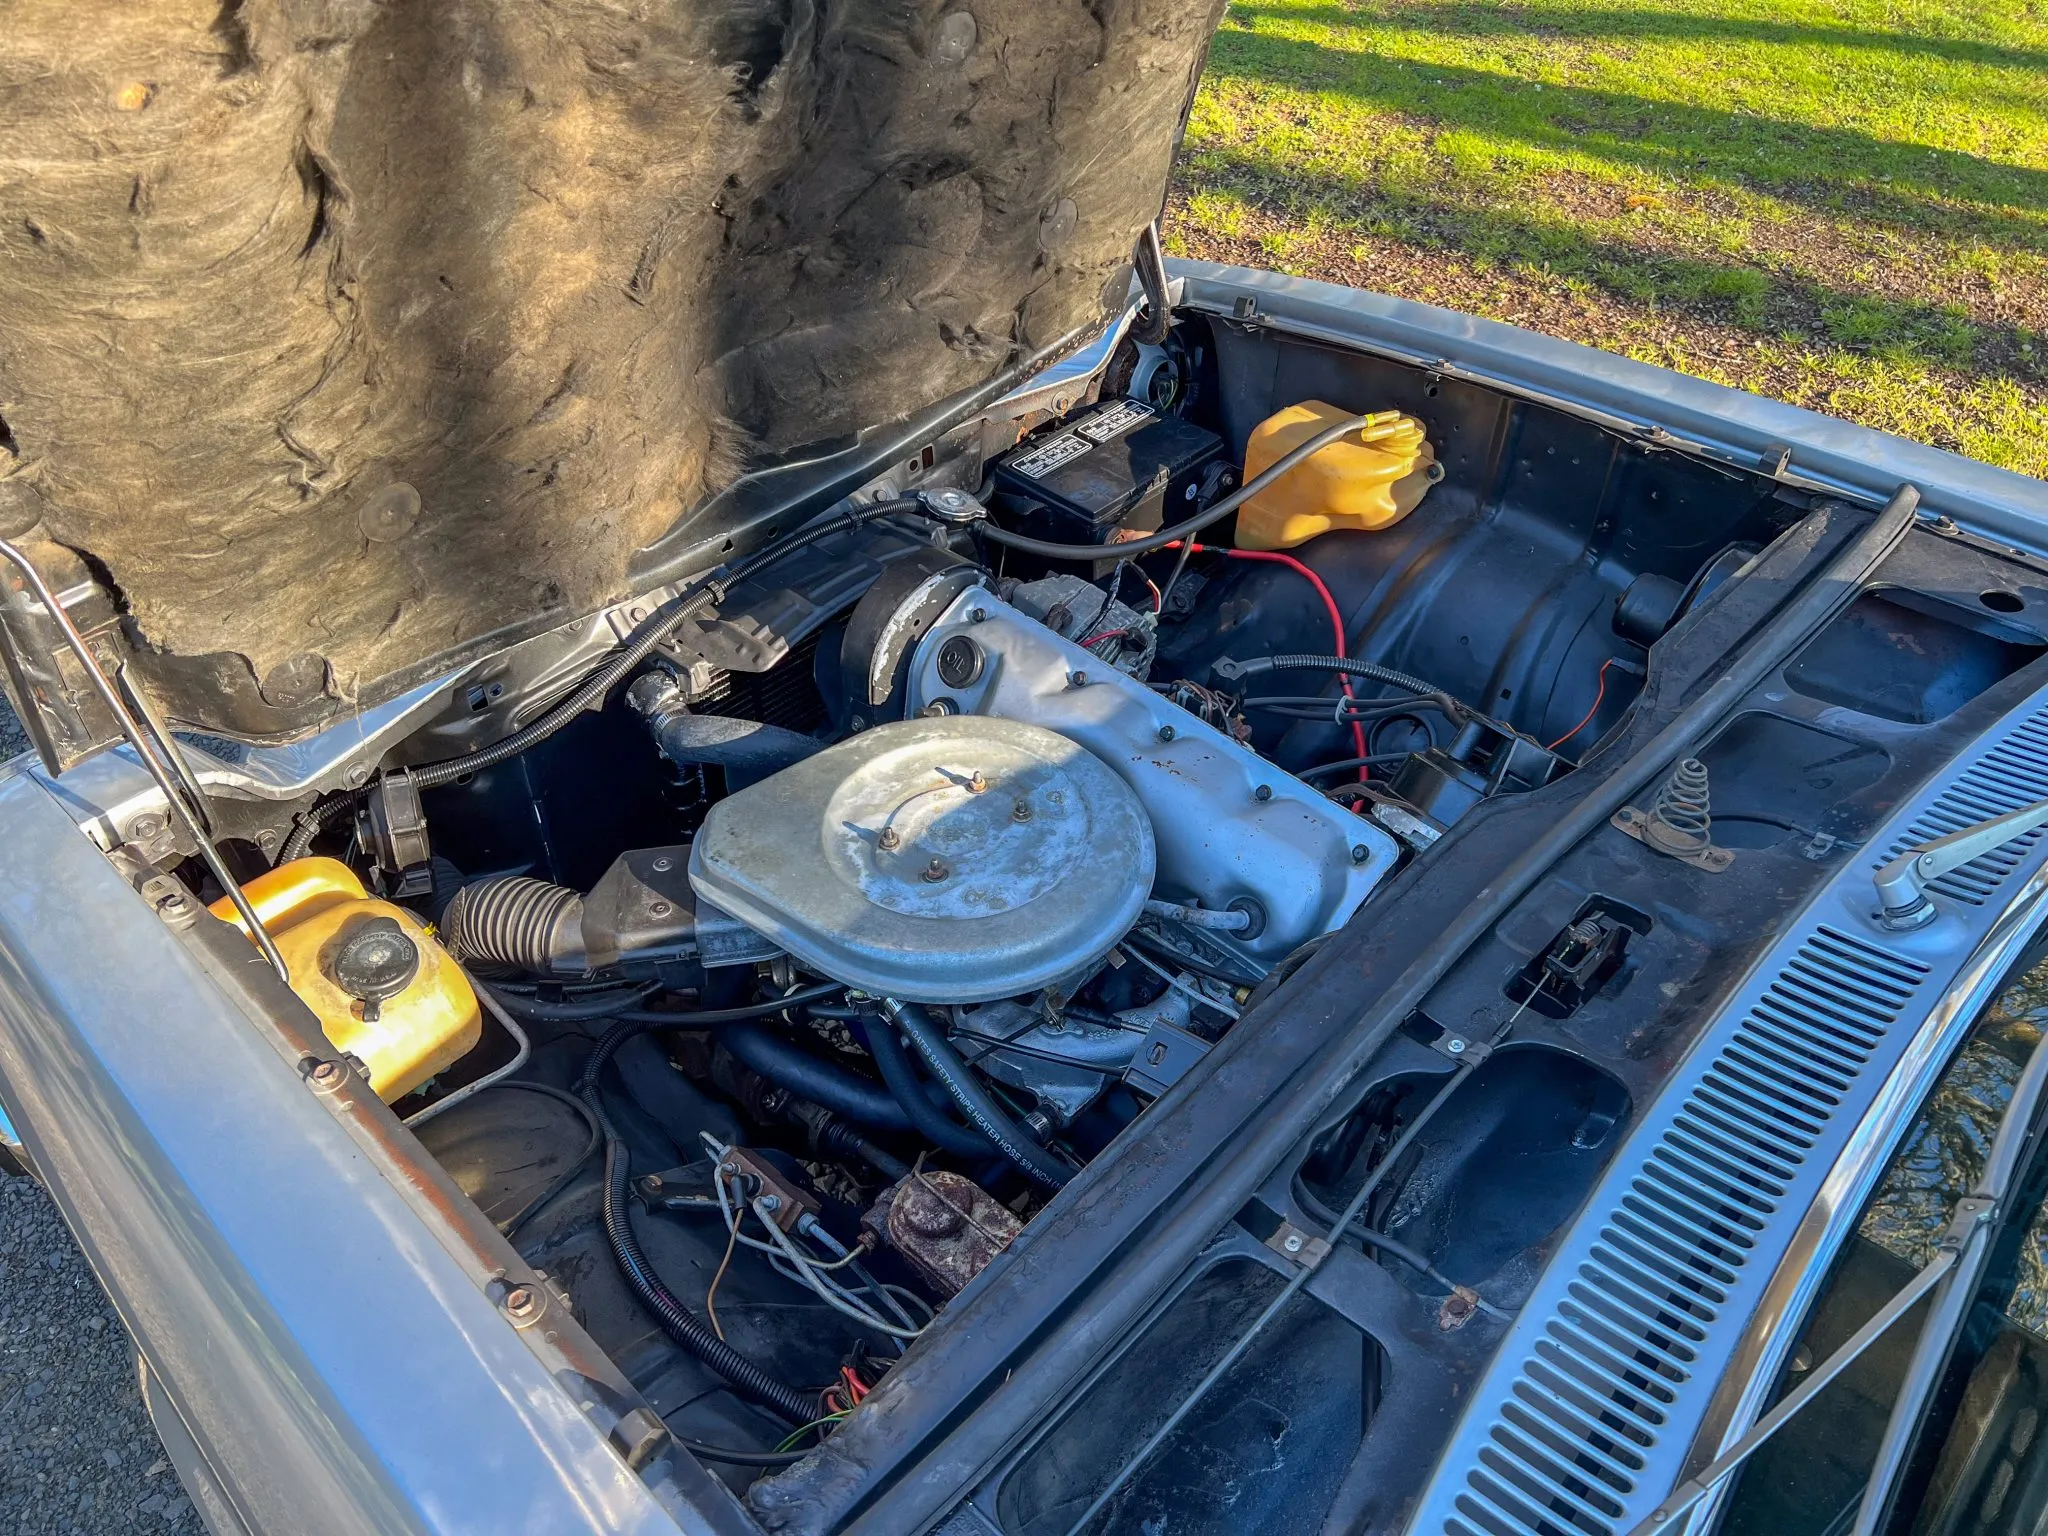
(1367, 479)
(383, 989)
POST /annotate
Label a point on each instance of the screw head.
(977, 616)
(976, 784)
(1021, 811)
(1360, 854)
(522, 1302)
(659, 908)
(173, 903)
(771, 1202)
(1292, 1242)
(1263, 793)
(662, 865)
(888, 839)
(1167, 733)
(357, 776)
(1077, 679)
(327, 1075)
(1455, 1046)
(144, 826)
(935, 871)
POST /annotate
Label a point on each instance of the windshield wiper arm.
(1953, 1271)
(1902, 882)
(1950, 1309)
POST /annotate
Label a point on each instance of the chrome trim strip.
(1697, 1254)
(1745, 1388)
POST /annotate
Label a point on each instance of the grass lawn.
(1844, 204)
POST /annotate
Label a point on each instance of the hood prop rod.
(159, 754)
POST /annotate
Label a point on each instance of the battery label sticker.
(1118, 419)
(1047, 457)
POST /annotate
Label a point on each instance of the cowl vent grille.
(1586, 1417)
(1626, 1331)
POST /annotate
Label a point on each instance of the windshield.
(1979, 1464)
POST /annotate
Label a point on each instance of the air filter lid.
(946, 860)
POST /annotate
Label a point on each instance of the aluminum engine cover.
(1305, 861)
(935, 860)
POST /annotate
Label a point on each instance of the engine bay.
(763, 981)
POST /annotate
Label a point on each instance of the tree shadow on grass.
(1832, 170)
(1450, 18)
(1765, 304)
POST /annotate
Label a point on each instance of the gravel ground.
(77, 1453)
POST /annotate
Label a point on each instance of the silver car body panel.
(334, 1363)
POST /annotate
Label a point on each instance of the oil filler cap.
(375, 963)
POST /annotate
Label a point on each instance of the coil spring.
(1680, 816)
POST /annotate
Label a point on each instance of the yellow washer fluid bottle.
(1371, 478)
(383, 989)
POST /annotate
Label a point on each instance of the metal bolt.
(976, 784)
(172, 904)
(977, 616)
(1021, 811)
(522, 1302)
(651, 1184)
(659, 908)
(145, 826)
(663, 864)
(357, 776)
(1360, 854)
(1292, 1242)
(770, 1202)
(888, 839)
(1167, 733)
(327, 1076)
(935, 871)
(1077, 679)
(1455, 1046)
(1263, 792)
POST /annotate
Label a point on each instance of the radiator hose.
(973, 1100)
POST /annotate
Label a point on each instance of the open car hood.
(345, 339)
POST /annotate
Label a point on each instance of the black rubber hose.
(841, 1140)
(677, 1321)
(808, 1077)
(930, 1121)
(657, 628)
(735, 1458)
(1215, 513)
(698, 1018)
(974, 1101)
(1231, 671)
(581, 1010)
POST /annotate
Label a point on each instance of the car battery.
(1122, 465)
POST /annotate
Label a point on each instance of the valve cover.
(1230, 826)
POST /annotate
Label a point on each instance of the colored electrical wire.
(1599, 693)
(1274, 557)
